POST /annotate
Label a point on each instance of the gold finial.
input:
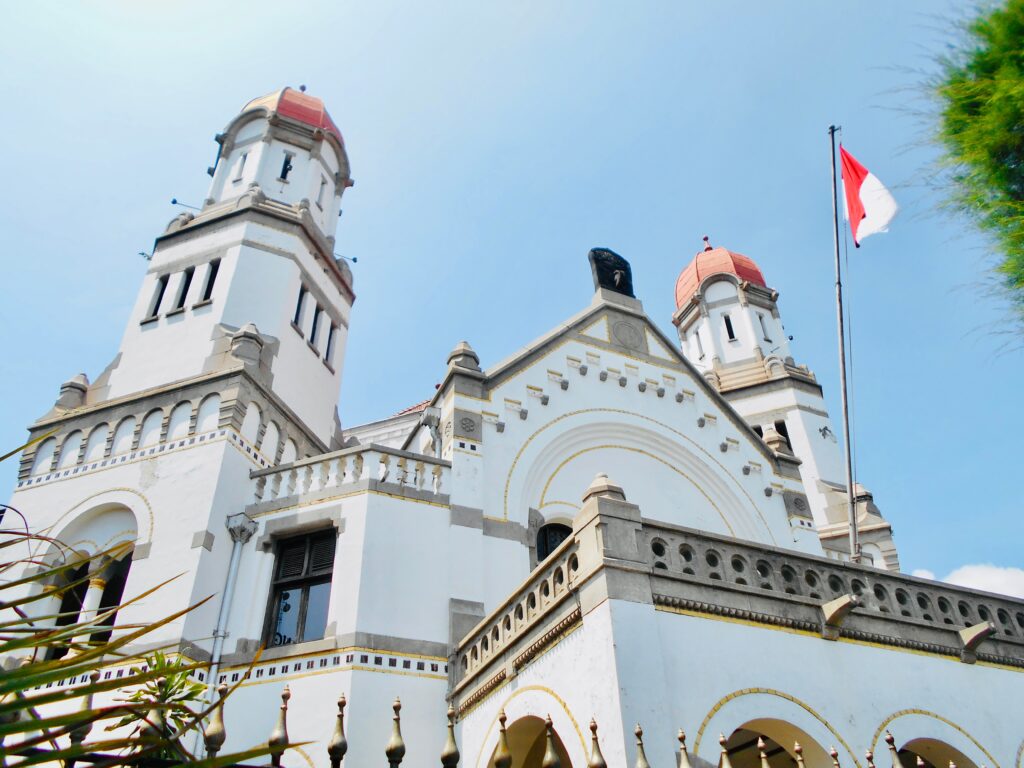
(799, 754)
(596, 758)
(278, 740)
(338, 745)
(502, 755)
(450, 753)
(641, 756)
(834, 755)
(890, 741)
(707, 243)
(551, 758)
(684, 759)
(215, 735)
(761, 746)
(723, 758)
(395, 750)
(869, 756)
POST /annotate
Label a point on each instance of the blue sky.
(493, 144)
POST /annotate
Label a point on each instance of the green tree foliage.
(981, 94)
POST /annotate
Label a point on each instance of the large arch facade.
(671, 476)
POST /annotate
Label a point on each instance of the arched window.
(123, 436)
(43, 459)
(69, 450)
(178, 425)
(208, 417)
(76, 582)
(549, 537)
(150, 434)
(96, 445)
(271, 439)
(251, 422)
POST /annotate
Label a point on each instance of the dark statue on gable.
(611, 271)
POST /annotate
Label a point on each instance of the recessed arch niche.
(669, 475)
(527, 741)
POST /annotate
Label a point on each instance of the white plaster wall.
(573, 681)
(675, 671)
(651, 446)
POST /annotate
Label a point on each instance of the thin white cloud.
(923, 573)
(990, 578)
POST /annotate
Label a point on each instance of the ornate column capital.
(241, 527)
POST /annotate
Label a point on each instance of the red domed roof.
(299, 106)
(714, 261)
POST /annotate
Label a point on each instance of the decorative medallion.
(467, 424)
(628, 335)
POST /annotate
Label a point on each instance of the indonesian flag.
(869, 206)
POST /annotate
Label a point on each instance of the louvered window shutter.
(322, 554)
(291, 559)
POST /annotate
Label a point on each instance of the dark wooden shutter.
(291, 559)
(322, 554)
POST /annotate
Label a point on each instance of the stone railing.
(371, 464)
(694, 568)
(534, 615)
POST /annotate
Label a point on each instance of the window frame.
(301, 583)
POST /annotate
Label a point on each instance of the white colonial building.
(612, 523)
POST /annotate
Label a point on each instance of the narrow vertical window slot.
(700, 344)
(329, 354)
(764, 327)
(316, 324)
(286, 166)
(320, 193)
(297, 320)
(158, 295)
(211, 278)
(241, 166)
(728, 328)
(186, 283)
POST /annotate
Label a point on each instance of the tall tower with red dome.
(730, 328)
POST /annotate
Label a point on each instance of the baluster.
(385, 468)
(403, 471)
(418, 473)
(438, 471)
(290, 481)
(261, 487)
(316, 475)
(335, 472)
(275, 486)
(358, 465)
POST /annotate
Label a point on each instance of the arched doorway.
(780, 739)
(527, 742)
(934, 754)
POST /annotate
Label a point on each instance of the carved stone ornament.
(628, 335)
(467, 424)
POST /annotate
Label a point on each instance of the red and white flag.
(869, 205)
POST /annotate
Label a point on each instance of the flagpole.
(850, 500)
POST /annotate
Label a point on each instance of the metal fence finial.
(338, 745)
(551, 759)
(723, 758)
(278, 740)
(684, 759)
(596, 758)
(641, 756)
(450, 753)
(502, 755)
(395, 750)
(214, 736)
